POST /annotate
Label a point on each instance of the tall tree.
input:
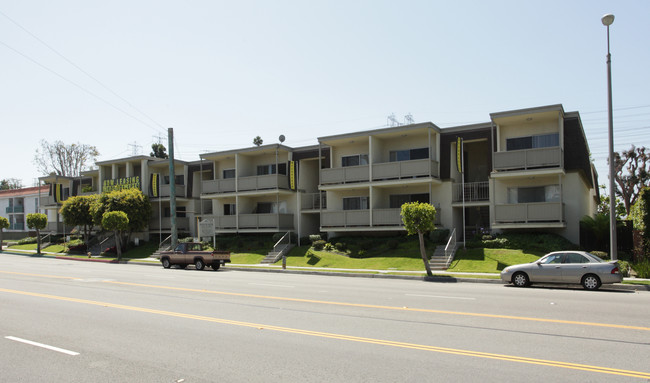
(10, 183)
(603, 205)
(37, 221)
(632, 173)
(4, 224)
(64, 160)
(257, 141)
(130, 201)
(117, 222)
(158, 151)
(77, 211)
(419, 218)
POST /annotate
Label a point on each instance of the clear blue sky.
(223, 72)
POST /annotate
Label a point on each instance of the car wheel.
(166, 264)
(591, 282)
(199, 264)
(520, 279)
(215, 266)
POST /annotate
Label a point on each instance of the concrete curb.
(437, 279)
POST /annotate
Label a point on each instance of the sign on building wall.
(293, 175)
(121, 184)
(154, 185)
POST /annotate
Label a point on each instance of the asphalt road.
(132, 323)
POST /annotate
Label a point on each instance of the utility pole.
(172, 187)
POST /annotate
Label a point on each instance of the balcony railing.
(361, 218)
(17, 226)
(182, 223)
(405, 169)
(226, 185)
(165, 190)
(15, 209)
(537, 212)
(528, 159)
(473, 191)
(313, 201)
(345, 174)
(270, 181)
(266, 221)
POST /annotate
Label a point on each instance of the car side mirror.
(539, 262)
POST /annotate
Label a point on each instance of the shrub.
(439, 235)
(624, 268)
(642, 269)
(392, 244)
(328, 246)
(318, 245)
(359, 254)
(496, 243)
(340, 246)
(314, 237)
(367, 244)
(600, 254)
(27, 240)
(78, 248)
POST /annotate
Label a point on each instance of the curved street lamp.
(607, 20)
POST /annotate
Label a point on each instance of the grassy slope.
(488, 260)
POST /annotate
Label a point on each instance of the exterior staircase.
(277, 253)
(439, 259)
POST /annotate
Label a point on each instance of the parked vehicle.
(573, 267)
(192, 253)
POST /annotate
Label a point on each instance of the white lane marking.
(61, 350)
(440, 296)
(264, 284)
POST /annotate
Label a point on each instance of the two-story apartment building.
(15, 204)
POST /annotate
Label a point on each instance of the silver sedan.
(575, 267)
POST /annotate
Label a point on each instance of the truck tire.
(216, 265)
(198, 263)
(166, 264)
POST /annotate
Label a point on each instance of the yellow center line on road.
(445, 350)
(497, 316)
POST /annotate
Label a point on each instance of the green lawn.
(488, 260)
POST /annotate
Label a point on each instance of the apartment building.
(526, 169)
(265, 189)
(15, 204)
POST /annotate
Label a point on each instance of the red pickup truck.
(192, 253)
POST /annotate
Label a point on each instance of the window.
(180, 180)
(409, 154)
(180, 212)
(575, 258)
(355, 203)
(270, 169)
(549, 193)
(553, 258)
(354, 160)
(271, 208)
(533, 142)
(397, 200)
(229, 209)
(229, 173)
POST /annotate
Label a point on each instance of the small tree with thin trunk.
(116, 221)
(77, 211)
(419, 218)
(38, 222)
(4, 224)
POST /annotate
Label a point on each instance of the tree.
(158, 151)
(419, 217)
(636, 163)
(117, 222)
(258, 141)
(640, 214)
(64, 160)
(603, 205)
(4, 224)
(599, 228)
(130, 201)
(10, 183)
(37, 221)
(77, 211)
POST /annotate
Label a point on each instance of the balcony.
(405, 169)
(225, 185)
(266, 221)
(345, 175)
(386, 217)
(472, 191)
(313, 201)
(270, 181)
(15, 209)
(528, 159)
(527, 213)
(182, 223)
(165, 190)
(345, 218)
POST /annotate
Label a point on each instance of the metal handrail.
(168, 239)
(450, 249)
(280, 242)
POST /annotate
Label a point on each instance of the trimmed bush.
(27, 240)
(340, 246)
(314, 237)
(600, 254)
(642, 269)
(328, 246)
(318, 245)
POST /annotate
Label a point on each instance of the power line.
(80, 69)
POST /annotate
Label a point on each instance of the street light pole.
(607, 20)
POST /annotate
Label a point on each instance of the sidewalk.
(439, 275)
